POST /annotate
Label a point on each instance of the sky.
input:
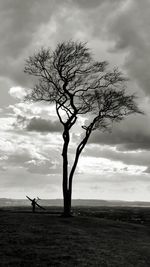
(115, 165)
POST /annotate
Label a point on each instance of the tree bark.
(66, 191)
(67, 204)
(67, 181)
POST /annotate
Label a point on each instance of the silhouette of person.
(33, 204)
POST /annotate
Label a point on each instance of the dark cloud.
(26, 25)
(87, 4)
(42, 125)
(147, 170)
(44, 168)
(5, 85)
(20, 21)
(130, 32)
(33, 163)
(37, 124)
(131, 134)
(138, 158)
(19, 157)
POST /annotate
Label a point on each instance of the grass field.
(97, 237)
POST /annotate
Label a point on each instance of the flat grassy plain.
(98, 237)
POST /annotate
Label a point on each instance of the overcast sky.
(114, 165)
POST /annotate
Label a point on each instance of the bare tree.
(79, 86)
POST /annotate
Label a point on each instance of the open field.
(98, 237)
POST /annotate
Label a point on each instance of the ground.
(94, 237)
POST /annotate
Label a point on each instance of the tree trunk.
(67, 204)
(67, 181)
(66, 191)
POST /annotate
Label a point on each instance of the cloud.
(114, 186)
(44, 168)
(42, 125)
(23, 18)
(147, 170)
(30, 110)
(18, 92)
(18, 182)
(132, 133)
(87, 4)
(130, 32)
(40, 117)
(107, 165)
(22, 21)
(136, 158)
(28, 152)
(31, 24)
(5, 98)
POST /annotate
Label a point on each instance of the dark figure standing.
(33, 204)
